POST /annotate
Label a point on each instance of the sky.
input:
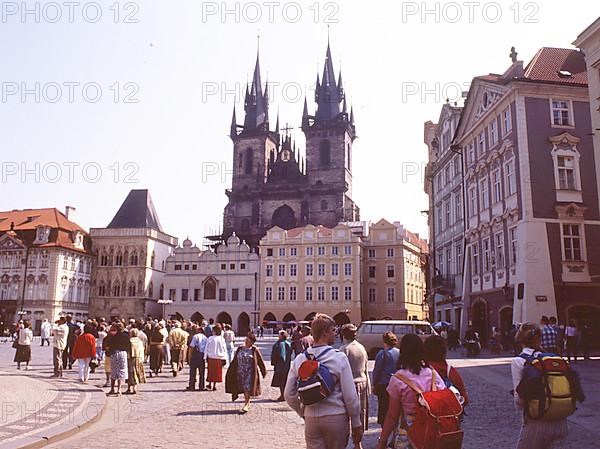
(100, 98)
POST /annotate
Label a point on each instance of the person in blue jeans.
(385, 367)
(197, 347)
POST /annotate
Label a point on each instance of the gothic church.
(272, 184)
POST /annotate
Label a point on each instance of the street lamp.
(164, 303)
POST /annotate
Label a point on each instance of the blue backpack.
(315, 382)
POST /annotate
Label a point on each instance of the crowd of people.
(404, 366)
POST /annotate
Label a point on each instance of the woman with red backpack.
(435, 356)
(403, 399)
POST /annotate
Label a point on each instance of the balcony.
(444, 281)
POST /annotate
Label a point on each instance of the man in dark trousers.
(67, 353)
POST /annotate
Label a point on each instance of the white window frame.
(486, 250)
(510, 180)
(481, 144)
(571, 116)
(484, 194)
(391, 294)
(493, 132)
(499, 250)
(496, 185)
(506, 121)
(514, 246)
(475, 258)
(580, 238)
(473, 201)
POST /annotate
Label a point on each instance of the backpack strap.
(410, 384)
(310, 356)
(433, 376)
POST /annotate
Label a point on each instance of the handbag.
(94, 363)
(15, 344)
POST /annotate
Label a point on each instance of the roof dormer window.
(78, 240)
(42, 235)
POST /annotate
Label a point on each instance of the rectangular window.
(448, 213)
(510, 186)
(347, 293)
(572, 242)
(293, 294)
(493, 133)
(514, 246)
(293, 251)
(371, 254)
(320, 293)
(499, 244)
(456, 163)
(390, 252)
(281, 270)
(178, 267)
(309, 269)
(391, 294)
(248, 294)
(281, 293)
(321, 269)
(223, 266)
(448, 260)
(487, 255)
(195, 266)
(481, 143)
(334, 250)
(475, 258)
(232, 266)
(440, 219)
(321, 251)
(438, 180)
(458, 250)
(185, 294)
(372, 271)
(372, 295)
(483, 191)
(391, 271)
(335, 293)
(447, 174)
(269, 294)
(440, 265)
(186, 267)
(269, 271)
(348, 250)
(172, 294)
(309, 293)
(347, 269)
(293, 270)
(309, 251)
(269, 252)
(472, 152)
(281, 252)
(566, 173)
(497, 185)
(506, 121)
(561, 113)
(335, 269)
(235, 294)
(457, 207)
(472, 201)
(222, 294)
(196, 294)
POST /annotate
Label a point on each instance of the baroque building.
(272, 185)
(221, 284)
(45, 266)
(532, 199)
(131, 254)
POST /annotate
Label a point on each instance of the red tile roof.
(321, 230)
(548, 62)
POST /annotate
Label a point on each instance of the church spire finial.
(256, 102)
(233, 129)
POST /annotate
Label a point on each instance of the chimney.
(70, 212)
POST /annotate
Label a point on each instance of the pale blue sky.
(172, 55)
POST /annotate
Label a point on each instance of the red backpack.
(436, 424)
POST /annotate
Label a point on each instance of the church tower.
(330, 134)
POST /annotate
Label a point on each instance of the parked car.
(370, 333)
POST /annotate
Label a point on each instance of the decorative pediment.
(571, 211)
(564, 140)
(10, 243)
(488, 99)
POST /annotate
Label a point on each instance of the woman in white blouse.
(24, 340)
(216, 355)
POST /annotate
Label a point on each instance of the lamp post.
(164, 303)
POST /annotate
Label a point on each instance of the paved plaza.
(163, 415)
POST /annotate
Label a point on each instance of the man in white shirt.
(46, 331)
(197, 349)
(61, 334)
(326, 422)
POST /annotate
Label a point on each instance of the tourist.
(60, 333)
(208, 328)
(535, 434)
(23, 345)
(307, 339)
(281, 359)
(157, 344)
(549, 337)
(571, 334)
(135, 362)
(560, 335)
(326, 422)
(99, 342)
(67, 353)
(243, 375)
(216, 355)
(403, 399)
(585, 340)
(197, 349)
(385, 367)
(120, 350)
(435, 356)
(358, 358)
(229, 337)
(45, 332)
(106, 355)
(84, 350)
(178, 343)
(297, 341)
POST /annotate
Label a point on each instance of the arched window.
(161, 292)
(102, 289)
(151, 290)
(117, 289)
(153, 259)
(349, 154)
(131, 289)
(323, 205)
(210, 288)
(119, 259)
(133, 259)
(324, 153)
(248, 161)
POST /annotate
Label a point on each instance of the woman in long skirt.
(216, 355)
(135, 363)
(24, 339)
(120, 351)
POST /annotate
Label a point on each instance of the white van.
(370, 333)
